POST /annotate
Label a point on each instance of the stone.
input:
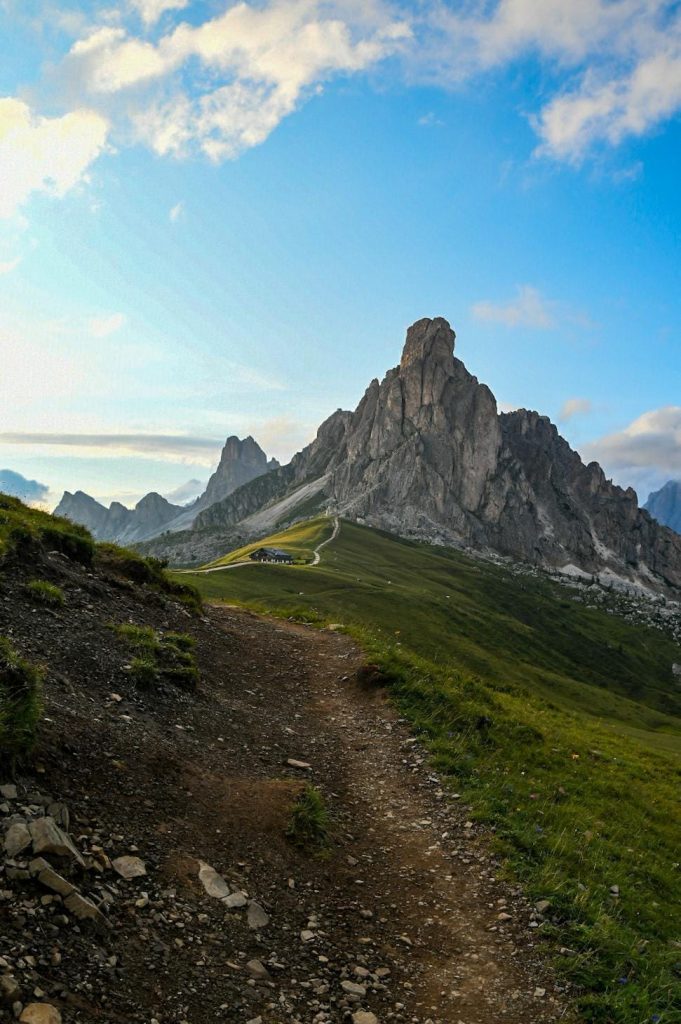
(51, 880)
(17, 839)
(212, 882)
(40, 1013)
(353, 988)
(541, 906)
(48, 838)
(60, 812)
(8, 791)
(84, 909)
(10, 990)
(235, 901)
(257, 917)
(301, 765)
(364, 1017)
(257, 970)
(129, 867)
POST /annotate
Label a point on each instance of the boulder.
(48, 838)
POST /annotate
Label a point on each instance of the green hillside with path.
(552, 710)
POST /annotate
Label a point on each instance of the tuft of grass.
(160, 656)
(309, 825)
(149, 572)
(45, 593)
(20, 703)
(144, 672)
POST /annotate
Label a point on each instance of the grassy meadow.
(299, 540)
(557, 722)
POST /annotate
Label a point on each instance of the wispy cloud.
(528, 309)
(151, 10)
(531, 309)
(173, 447)
(103, 326)
(575, 407)
(7, 266)
(176, 212)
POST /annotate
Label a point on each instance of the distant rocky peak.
(429, 341)
(240, 462)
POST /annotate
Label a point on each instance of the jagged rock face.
(240, 462)
(81, 508)
(426, 454)
(665, 505)
(117, 523)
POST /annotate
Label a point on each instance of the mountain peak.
(429, 340)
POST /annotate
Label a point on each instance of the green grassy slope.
(559, 723)
(299, 540)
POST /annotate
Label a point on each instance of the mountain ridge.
(427, 455)
(240, 462)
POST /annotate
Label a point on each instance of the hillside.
(208, 816)
(555, 711)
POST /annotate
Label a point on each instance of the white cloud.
(575, 407)
(528, 309)
(249, 68)
(103, 326)
(176, 212)
(612, 110)
(151, 10)
(41, 154)
(7, 266)
(646, 453)
(618, 64)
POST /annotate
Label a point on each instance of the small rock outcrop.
(665, 505)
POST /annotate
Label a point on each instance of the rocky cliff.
(426, 454)
(665, 505)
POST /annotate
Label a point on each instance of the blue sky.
(220, 218)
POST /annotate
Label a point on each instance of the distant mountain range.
(665, 505)
(426, 455)
(241, 461)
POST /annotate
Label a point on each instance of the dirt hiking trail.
(401, 921)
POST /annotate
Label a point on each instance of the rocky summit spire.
(429, 340)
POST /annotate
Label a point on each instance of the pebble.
(257, 917)
(40, 1013)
